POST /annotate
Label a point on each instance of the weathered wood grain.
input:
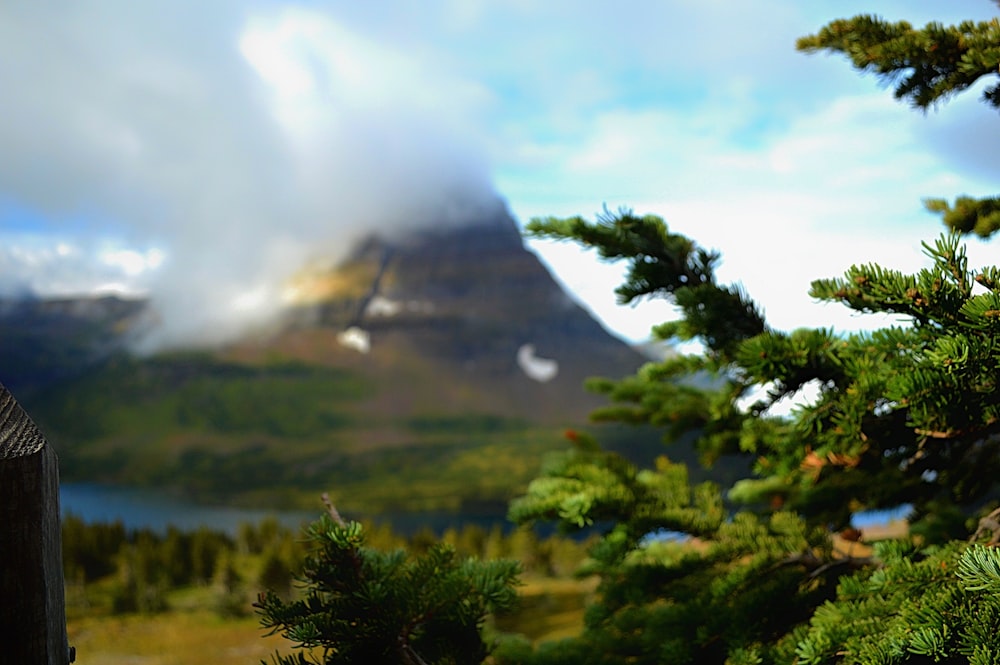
(32, 602)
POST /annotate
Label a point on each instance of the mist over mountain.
(427, 368)
(201, 167)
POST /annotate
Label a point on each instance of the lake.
(147, 508)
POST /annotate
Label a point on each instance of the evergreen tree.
(142, 582)
(364, 605)
(276, 575)
(231, 599)
(940, 604)
(909, 414)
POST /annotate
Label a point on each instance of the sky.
(202, 152)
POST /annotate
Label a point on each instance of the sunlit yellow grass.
(177, 638)
(549, 608)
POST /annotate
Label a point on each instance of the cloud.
(31, 265)
(239, 139)
(838, 185)
(220, 149)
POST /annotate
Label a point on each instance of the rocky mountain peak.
(470, 296)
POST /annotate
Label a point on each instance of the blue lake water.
(874, 517)
(145, 508)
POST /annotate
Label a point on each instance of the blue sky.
(201, 151)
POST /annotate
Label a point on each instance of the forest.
(906, 415)
(188, 595)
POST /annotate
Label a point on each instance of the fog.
(202, 153)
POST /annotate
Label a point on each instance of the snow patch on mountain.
(382, 306)
(534, 367)
(356, 338)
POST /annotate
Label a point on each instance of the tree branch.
(989, 524)
(332, 510)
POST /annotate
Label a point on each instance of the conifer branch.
(332, 510)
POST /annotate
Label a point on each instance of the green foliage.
(364, 605)
(115, 570)
(276, 575)
(908, 414)
(277, 434)
(89, 550)
(664, 601)
(588, 485)
(939, 603)
(142, 580)
(969, 215)
(665, 264)
(905, 414)
(195, 391)
(231, 599)
(926, 66)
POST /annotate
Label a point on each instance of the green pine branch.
(667, 265)
(968, 214)
(925, 65)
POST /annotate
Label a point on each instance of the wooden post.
(32, 596)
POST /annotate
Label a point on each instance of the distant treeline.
(115, 570)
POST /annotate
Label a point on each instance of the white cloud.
(153, 124)
(839, 185)
(241, 138)
(132, 263)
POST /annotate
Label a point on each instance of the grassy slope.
(190, 633)
(436, 416)
(551, 608)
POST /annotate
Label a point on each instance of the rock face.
(476, 304)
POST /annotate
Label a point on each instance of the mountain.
(468, 305)
(428, 370)
(45, 341)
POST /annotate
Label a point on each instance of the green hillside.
(277, 434)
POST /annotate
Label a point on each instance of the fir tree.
(364, 605)
(908, 414)
(939, 604)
